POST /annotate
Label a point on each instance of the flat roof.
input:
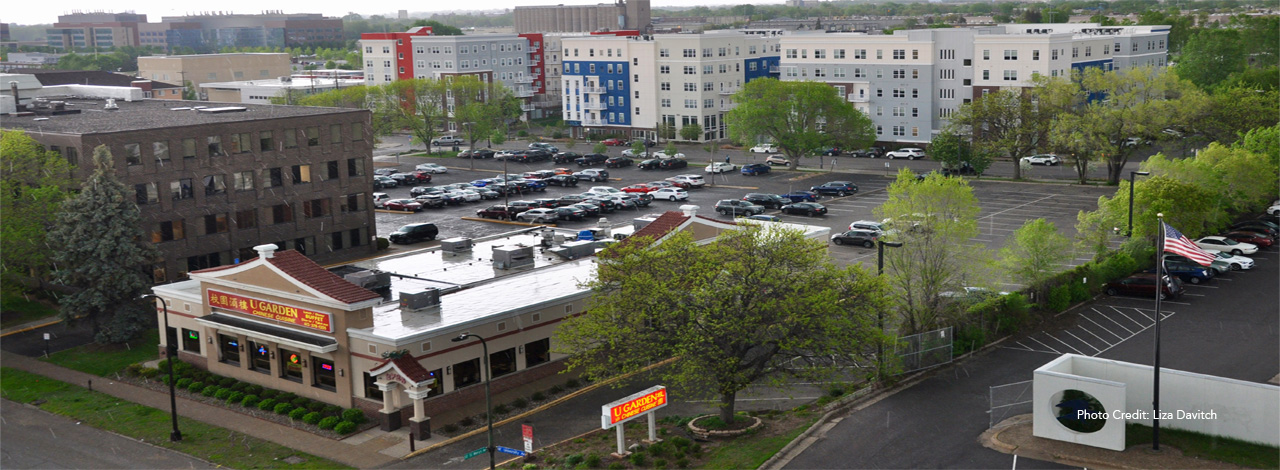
(153, 114)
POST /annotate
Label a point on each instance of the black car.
(561, 180)
(964, 168)
(838, 188)
(769, 201)
(640, 200)
(618, 162)
(380, 182)
(869, 152)
(811, 209)
(865, 238)
(591, 159)
(482, 153)
(605, 205)
(1260, 226)
(669, 163)
(831, 151)
(570, 199)
(650, 164)
(414, 233)
(516, 207)
(565, 157)
(547, 202)
(570, 213)
(735, 207)
(421, 190)
(591, 210)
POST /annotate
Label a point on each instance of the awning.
(283, 336)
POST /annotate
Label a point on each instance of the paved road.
(31, 343)
(37, 439)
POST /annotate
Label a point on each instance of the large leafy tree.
(1232, 110)
(482, 109)
(1186, 205)
(799, 116)
(1034, 252)
(102, 253)
(33, 184)
(1238, 179)
(418, 105)
(1014, 122)
(691, 132)
(759, 304)
(934, 220)
(1210, 56)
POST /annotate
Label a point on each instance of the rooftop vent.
(455, 245)
(507, 257)
(419, 300)
(224, 109)
(369, 279)
(111, 105)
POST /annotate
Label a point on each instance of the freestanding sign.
(631, 407)
(527, 431)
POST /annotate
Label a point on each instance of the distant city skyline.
(48, 13)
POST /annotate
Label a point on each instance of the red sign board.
(270, 310)
(634, 405)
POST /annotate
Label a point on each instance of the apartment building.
(389, 56)
(81, 30)
(201, 68)
(504, 58)
(630, 84)
(203, 32)
(623, 14)
(911, 82)
(212, 182)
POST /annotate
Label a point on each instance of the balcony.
(592, 122)
(524, 93)
(526, 107)
(725, 92)
(775, 69)
(859, 99)
(594, 105)
(726, 107)
(524, 79)
(599, 90)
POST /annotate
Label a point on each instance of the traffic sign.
(475, 453)
(527, 430)
(508, 450)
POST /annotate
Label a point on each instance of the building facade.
(623, 14)
(82, 30)
(389, 56)
(213, 182)
(270, 29)
(631, 84)
(262, 91)
(197, 69)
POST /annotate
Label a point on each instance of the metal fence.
(924, 350)
(1008, 400)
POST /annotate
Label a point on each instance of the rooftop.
(49, 77)
(154, 114)
(292, 83)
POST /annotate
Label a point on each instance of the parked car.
(592, 175)
(408, 205)
(720, 167)
(496, 212)
(865, 238)
(661, 184)
(544, 146)
(504, 154)
(829, 151)
(1187, 272)
(1274, 209)
(664, 154)
(764, 218)
(483, 153)
(1047, 159)
(638, 188)
(650, 164)
(964, 168)
(838, 188)
(737, 206)
(380, 182)
(452, 197)
(777, 160)
(633, 154)
(866, 225)
(769, 201)
(562, 180)
(801, 196)
(565, 157)
(520, 206)
(614, 142)
(688, 181)
(811, 209)
(1233, 262)
(430, 201)
(618, 162)
(538, 174)
(414, 233)
(591, 159)
(672, 163)
(765, 148)
(1144, 284)
(671, 194)
(910, 153)
(385, 171)
(538, 216)
(591, 210)
(1227, 245)
(547, 202)
(404, 179)
(379, 199)
(447, 141)
(570, 213)
(467, 195)
(1247, 236)
(605, 190)
(1260, 226)
(432, 168)
(755, 169)
(570, 199)
(869, 152)
(641, 199)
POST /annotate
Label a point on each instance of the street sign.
(508, 450)
(476, 453)
(527, 430)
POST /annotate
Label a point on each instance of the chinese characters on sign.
(270, 310)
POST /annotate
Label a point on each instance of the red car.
(638, 188)
(402, 205)
(614, 142)
(422, 176)
(1242, 236)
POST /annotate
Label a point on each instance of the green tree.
(637, 147)
(1210, 56)
(1034, 253)
(1238, 179)
(667, 131)
(934, 219)
(33, 184)
(438, 28)
(952, 151)
(599, 148)
(797, 115)
(758, 305)
(1193, 210)
(418, 105)
(103, 254)
(1232, 110)
(1012, 121)
(691, 132)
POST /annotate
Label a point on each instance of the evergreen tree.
(102, 254)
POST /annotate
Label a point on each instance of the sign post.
(527, 431)
(631, 407)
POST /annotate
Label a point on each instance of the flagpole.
(1155, 401)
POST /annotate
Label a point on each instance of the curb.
(991, 440)
(28, 327)
(506, 222)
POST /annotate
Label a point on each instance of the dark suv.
(769, 201)
(869, 152)
(414, 233)
(1144, 284)
(592, 159)
(671, 163)
(496, 212)
(838, 188)
(735, 207)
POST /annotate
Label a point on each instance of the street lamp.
(1131, 175)
(170, 350)
(488, 403)
(880, 244)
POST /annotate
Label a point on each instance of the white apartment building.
(490, 57)
(631, 84)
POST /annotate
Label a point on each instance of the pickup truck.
(447, 141)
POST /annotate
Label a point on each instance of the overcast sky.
(21, 12)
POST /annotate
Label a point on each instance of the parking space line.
(1202, 286)
(1086, 330)
(1032, 338)
(1144, 314)
(1126, 316)
(1065, 344)
(1082, 341)
(1103, 328)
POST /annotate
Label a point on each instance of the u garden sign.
(639, 404)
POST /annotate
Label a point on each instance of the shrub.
(311, 418)
(134, 370)
(557, 134)
(501, 409)
(617, 465)
(680, 442)
(345, 427)
(354, 415)
(196, 387)
(573, 459)
(226, 382)
(538, 396)
(555, 389)
(315, 406)
(235, 398)
(383, 243)
(286, 397)
(297, 413)
(148, 373)
(201, 376)
(300, 402)
(571, 383)
(1079, 291)
(240, 386)
(592, 461)
(1059, 298)
(449, 428)
(211, 390)
(223, 393)
(522, 134)
(267, 405)
(466, 422)
(682, 462)
(519, 403)
(253, 390)
(331, 410)
(657, 449)
(695, 449)
(659, 463)
(250, 401)
(269, 393)
(184, 382)
(282, 408)
(969, 338)
(328, 422)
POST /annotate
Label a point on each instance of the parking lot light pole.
(488, 402)
(880, 244)
(170, 350)
(1131, 175)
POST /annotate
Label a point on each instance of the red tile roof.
(302, 269)
(660, 227)
(408, 366)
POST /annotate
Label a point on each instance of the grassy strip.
(221, 446)
(16, 310)
(1194, 444)
(751, 451)
(105, 360)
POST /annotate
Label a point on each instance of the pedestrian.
(833, 163)
(726, 159)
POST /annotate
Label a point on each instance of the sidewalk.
(1013, 436)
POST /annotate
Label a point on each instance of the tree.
(1034, 252)
(1232, 110)
(691, 132)
(482, 108)
(1012, 121)
(799, 116)
(667, 131)
(637, 147)
(1210, 56)
(953, 151)
(102, 253)
(1238, 179)
(418, 105)
(599, 148)
(33, 184)
(758, 305)
(934, 219)
(438, 28)
(1193, 210)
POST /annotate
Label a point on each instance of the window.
(502, 362)
(665, 86)
(291, 138)
(915, 73)
(355, 167)
(215, 184)
(1010, 75)
(301, 174)
(353, 203)
(708, 69)
(708, 103)
(316, 208)
(915, 92)
(691, 104)
(1088, 51)
(264, 141)
(836, 54)
(188, 148)
(666, 102)
(899, 93)
(899, 111)
(335, 133)
(215, 146)
(358, 238)
(1035, 55)
(146, 193)
(689, 86)
(323, 374)
(259, 357)
(160, 150)
(466, 373)
(947, 74)
(879, 110)
(1075, 51)
(1010, 54)
(986, 54)
(229, 349)
(664, 53)
(168, 231)
(859, 53)
(879, 92)
(357, 132)
(690, 70)
(191, 341)
(290, 365)
(1053, 54)
(537, 352)
(915, 54)
(899, 74)
(335, 240)
(274, 178)
(899, 54)
(181, 189)
(371, 390)
(858, 73)
(899, 130)
(664, 69)
(246, 219)
(240, 143)
(819, 53)
(986, 75)
(133, 154)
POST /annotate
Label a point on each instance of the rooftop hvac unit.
(455, 245)
(579, 249)
(419, 300)
(510, 257)
(369, 279)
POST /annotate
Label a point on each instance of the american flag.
(1177, 243)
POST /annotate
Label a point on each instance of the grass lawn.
(105, 360)
(1244, 454)
(16, 310)
(214, 444)
(751, 451)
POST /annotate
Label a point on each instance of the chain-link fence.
(924, 350)
(1009, 400)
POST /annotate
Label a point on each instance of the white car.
(468, 195)
(379, 199)
(1227, 245)
(1274, 209)
(721, 167)
(1048, 159)
(694, 181)
(909, 153)
(538, 216)
(777, 160)
(765, 148)
(501, 154)
(433, 168)
(629, 153)
(671, 194)
(664, 155)
(605, 190)
(1237, 263)
(870, 225)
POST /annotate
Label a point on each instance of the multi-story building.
(389, 56)
(213, 182)
(81, 30)
(623, 14)
(200, 68)
(492, 58)
(169, 36)
(150, 88)
(270, 29)
(910, 83)
(630, 84)
(262, 91)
